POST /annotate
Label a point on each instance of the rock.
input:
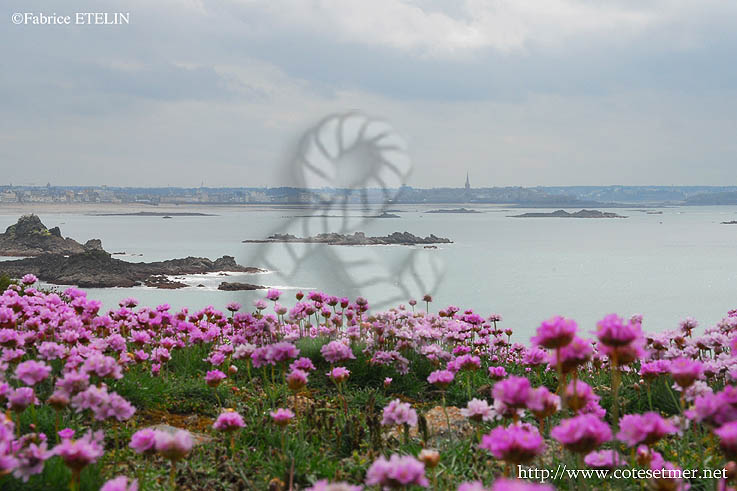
(29, 237)
(98, 269)
(164, 283)
(437, 425)
(93, 245)
(358, 238)
(565, 214)
(236, 286)
(454, 210)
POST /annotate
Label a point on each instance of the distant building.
(467, 190)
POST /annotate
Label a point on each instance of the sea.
(664, 263)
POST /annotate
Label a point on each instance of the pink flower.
(686, 371)
(229, 421)
(441, 378)
(296, 379)
(645, 428)
(573, 355)
(516, 444)
(233, 306)
(478, 410)
(464, 362)
(398, 471)
(214, 377)
(580, 396)
(339, 374)
(120, 483)
(497, 373)
(387, 381)
(78, 454)
(543, 403)
(555, 332)
(604, 459)
(613, 331)
(304, 364)
(21, 398)
(281, 416)
(173, 446)
(513, 392)
(728, 439)
(30, 454)
(66, 433)
(651, 369)
(582, 434)
(29, 279)
(399, 413)
(273, 294)
(534, 357)
(143, 441)
(32, 372)
(337, 351)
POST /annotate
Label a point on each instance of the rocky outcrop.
(358, 238)
(98, 269)
(454, 210)
(565, 214)
(30, 237)
(236, 286)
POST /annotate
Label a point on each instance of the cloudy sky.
(516, 92)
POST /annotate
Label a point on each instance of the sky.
(514, 92)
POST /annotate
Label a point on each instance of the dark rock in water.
(358, 238)
(732, 222)
(384, 215)
(565, 214)
(164, 283)
(235, 286)
(454, 210)
(98, 269)
(30, 237)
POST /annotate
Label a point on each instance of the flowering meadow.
(320, 392)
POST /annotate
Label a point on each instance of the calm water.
(666, 267)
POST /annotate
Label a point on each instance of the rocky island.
(453, 210)
(66, 262)
(29, 237)
(358, 238)
(565, 214)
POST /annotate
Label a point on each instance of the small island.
(565, 214)
(61, 261)
(358, 238)
(236, 286)
(154, 214)
(453, 210)
(732, 222)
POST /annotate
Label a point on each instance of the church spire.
(468, 183)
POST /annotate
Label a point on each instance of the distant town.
(546, 196)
